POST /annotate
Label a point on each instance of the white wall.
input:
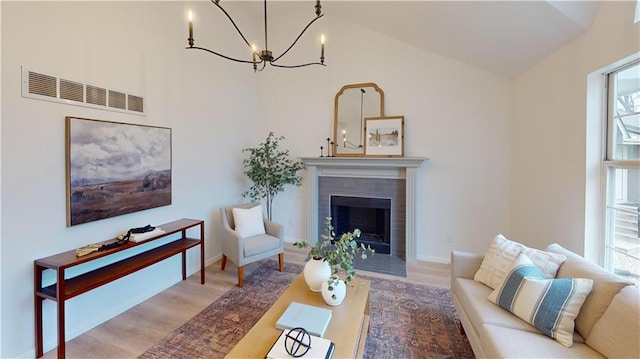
(456, 115)
(499, 162)
(139, 47)
(550, 195)
(0, 182)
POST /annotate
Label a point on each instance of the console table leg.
(60, 297)
(202, 253)
(37, 302)
(184, 265)
(38, 307)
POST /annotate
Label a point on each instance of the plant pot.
(334, 293)
(316, 271)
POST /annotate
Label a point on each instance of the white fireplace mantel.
(364, 167)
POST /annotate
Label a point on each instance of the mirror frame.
(335, 117)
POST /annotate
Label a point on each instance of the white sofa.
(607, 326)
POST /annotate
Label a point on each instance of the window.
(622, 168)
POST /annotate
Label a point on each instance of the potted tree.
(270, 169)
(338, 255)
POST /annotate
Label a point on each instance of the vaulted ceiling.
(503, 37)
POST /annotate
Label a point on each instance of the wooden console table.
(64, 289)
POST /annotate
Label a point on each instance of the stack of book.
(314, 320)
(319, 348)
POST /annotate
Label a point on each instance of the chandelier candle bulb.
(322, 49)
(190, 28)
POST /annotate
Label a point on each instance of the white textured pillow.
(550, 305)
(249, 222)
(501, 254)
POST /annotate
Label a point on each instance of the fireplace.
(371, 215)
(394, 178)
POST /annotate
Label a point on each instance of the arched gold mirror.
(353, 103)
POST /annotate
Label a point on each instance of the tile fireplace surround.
(362, 169)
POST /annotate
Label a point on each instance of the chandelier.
(260, 58)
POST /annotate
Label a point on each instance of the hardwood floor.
(131, 333)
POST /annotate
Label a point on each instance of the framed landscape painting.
(384, 136)
(115, 168)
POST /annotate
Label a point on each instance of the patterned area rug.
(407, 320)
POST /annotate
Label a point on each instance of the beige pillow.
(617, 333)
(605, 286)
(501, 255)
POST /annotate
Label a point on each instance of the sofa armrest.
(464, 264)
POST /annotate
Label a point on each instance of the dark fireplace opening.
(371, 215)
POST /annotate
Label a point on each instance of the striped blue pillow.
(551, 305)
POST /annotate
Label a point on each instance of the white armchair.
(247, 250)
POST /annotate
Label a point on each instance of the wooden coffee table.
(347, 329)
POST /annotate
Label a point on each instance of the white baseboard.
(434, 259)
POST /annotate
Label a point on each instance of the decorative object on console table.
(270, 169)
(118, 186)
(339, 253)
(384, 136)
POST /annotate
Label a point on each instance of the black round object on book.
(297, 342)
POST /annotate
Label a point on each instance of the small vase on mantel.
(316, 271)
(333, 291)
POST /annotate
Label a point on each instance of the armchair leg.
(281, 261)
(240, 276)
(224, 262)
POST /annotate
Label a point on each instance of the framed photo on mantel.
(384, 136)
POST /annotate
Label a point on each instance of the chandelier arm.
(224, 56)
(294, 66)
(232, 22)
(298, 38)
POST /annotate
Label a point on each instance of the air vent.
(96, 95)
(136, 103)
(71, 90)
(117, 100)
(44, 86)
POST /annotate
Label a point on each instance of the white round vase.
(339, 290)
(315, 272)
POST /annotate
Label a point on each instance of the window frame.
(610, 165)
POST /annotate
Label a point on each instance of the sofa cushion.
(617, 333)
(472, 296)
(501, 254)
(501, 342)
(605, 286)
(550, 305)
(249, 221)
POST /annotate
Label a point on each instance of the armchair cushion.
(260, 244)
(249, 221)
